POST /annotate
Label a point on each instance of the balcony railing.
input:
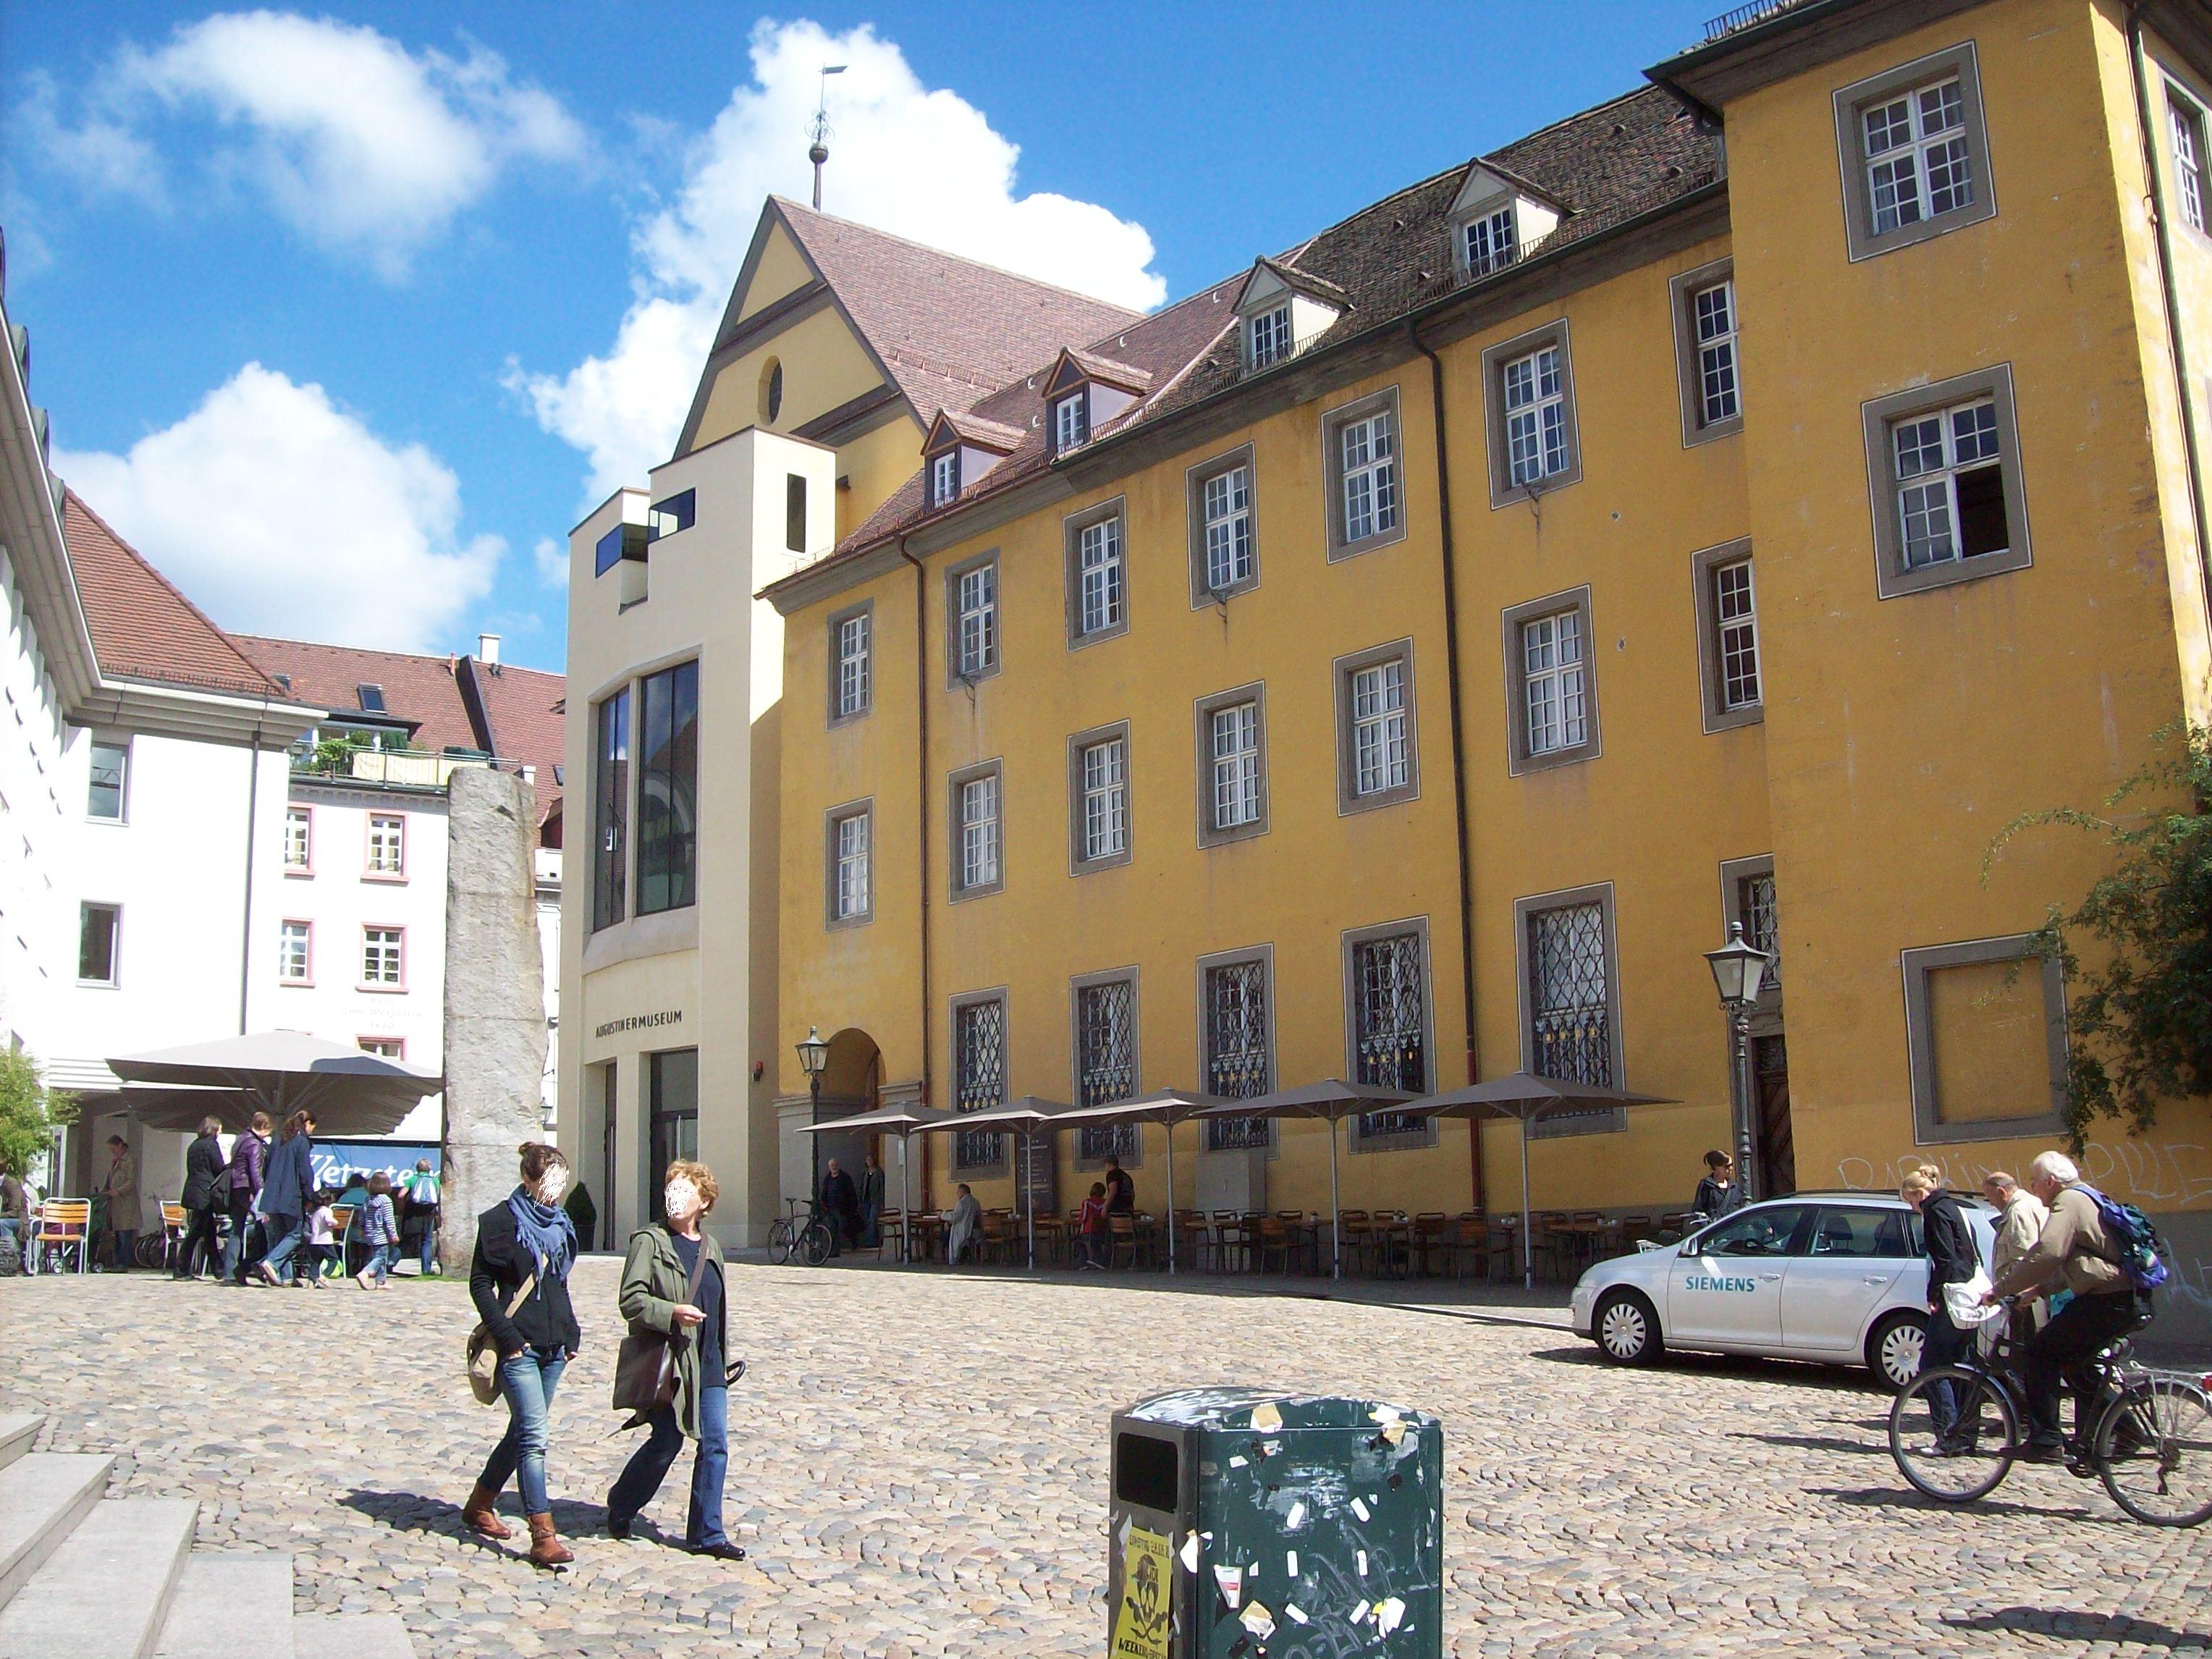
(1744, 16)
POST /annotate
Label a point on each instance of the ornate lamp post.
(1738, 969)
(813, 1059)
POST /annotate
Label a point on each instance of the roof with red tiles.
(142, 627)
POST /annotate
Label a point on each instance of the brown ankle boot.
(546, 1550)
(482, 1517)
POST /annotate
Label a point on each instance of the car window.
(1863, 1230)
(1767, 1231)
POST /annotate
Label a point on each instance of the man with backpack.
(2106, 1254)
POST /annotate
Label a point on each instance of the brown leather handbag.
(645, 1368)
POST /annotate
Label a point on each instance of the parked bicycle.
(802, 1232)
(2151, 1443)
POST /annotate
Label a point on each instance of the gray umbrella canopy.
(899, 1120)
(1165, 1107)
(282, 1071)
(1331, 1100)
(1029, 1117)
(180, 1110)
(1526, 1098)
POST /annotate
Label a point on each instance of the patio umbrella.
(902, 1121)
(180, 1110)
(1027, 1117)
(1525, 1098)
(1331, 1101)
(1166, 1107)
(282, 1071)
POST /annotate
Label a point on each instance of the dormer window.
(1270, 336)
(959, 451)
(1492, 243)
(945, 478)
(1071, 422)
(372, 698)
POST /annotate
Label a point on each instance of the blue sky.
(345, 316)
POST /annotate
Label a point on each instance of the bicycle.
(805, 1237)
(2151, 1443)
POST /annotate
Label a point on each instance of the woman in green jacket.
(664, 1258)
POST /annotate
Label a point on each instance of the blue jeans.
(235, 1249)
(528, 1381)
(285, 1234)
(381, 1258)
(1946, 1346)
(649, 1464)
(429, 1244)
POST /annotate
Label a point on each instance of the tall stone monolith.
(494, 998)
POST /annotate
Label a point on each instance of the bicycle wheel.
(779, 1242)
(816, 1244)
(1970, 1461)
(151, 1251)
(2154, 1450)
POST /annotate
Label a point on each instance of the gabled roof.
(447, 702)
(950, 330)
(1073, 365)
(142, 627)
(1298, 281)
(1506, 176)
(950, 427)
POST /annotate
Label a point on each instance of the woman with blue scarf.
(529, 1240)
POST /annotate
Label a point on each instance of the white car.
(1834, 1277)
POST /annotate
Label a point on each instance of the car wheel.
(1626, 1329)
(1892, 1352)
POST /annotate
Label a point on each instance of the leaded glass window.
(1570, 1011)
(1237, 1062)
(979, 1079)
(1106, 1062)
(1391, 1039)
(1754, 903)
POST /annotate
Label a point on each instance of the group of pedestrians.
(2058, 1260)
(673, 1284)
(853, 1209)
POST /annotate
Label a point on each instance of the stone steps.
(94, 1577)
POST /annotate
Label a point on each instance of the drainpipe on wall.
(922, 799)
(2146, 131)
(1458, 741)
(252, 811)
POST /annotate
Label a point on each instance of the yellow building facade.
(1793, 476)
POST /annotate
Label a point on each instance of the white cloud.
(921, 163)
(280, 512)
(363, 147)
(552, 561)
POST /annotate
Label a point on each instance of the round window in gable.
(771, 393)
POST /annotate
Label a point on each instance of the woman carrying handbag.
(673, 1295)
(519, 1283)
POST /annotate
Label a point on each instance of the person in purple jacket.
(249, 1155)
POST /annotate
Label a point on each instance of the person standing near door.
(665, 1259)
(1720, 1193)
(872, 1204)
(121, 1189)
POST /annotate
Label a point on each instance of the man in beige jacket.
(2021, 1219)
(2074, 1249)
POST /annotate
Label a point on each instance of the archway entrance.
(851, 1078)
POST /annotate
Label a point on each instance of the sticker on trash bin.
(1140, 1622)
(1236, 1462)
(1389, 1615)
(1190, 1554)
(1295, 1518)
(1290, 1610)
(1231, 1581)
(1266, 1419)
(1361, 1557)
(1291, 1563)
(1359, 1508)
(1258, 1620)
(1359, 1612)
(1393, 1431)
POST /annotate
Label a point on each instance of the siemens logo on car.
(1707, 1282)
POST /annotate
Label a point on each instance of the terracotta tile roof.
(985, 434)
(429, 696)
(1127, 376)
(951, 330)
(142, 628)
(1603, 166)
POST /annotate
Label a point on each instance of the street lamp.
(1738, 971)
(813, 1059)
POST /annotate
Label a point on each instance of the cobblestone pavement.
(918, 1467)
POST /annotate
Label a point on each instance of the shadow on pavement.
(2074, 1624)
(1902, 1497)
(1815, 1443)
(411, 1511)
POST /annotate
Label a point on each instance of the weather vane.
(818, 152)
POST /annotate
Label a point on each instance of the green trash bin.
(1250, 1525)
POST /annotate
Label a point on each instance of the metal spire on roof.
(818, 152)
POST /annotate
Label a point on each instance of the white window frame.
(1921, 161)
(1727, 628)
(2185, 126)
(1380, 744)
(1534, 389)
(1713, 334)
(1267, 336)
(1555, 690)
(301, 820)
(855, 637)
(388, 846)
(1234, 760)
(1225, 511)
(975, 796)
(945, 478)
(1367, 478)
(295, 950)
(1101, 602)
(1071, 421)
(115, 941)
(850, 898)
(974, 620)
(1491, 241)
(1105, 799)
(383, 946)
(1871, 228)
(122, 812)
(1929, 494)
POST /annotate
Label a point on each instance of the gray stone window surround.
(1078, 865)
(1348, 801)
(1331, 421)
(1264, 956)
(1204, 709)
(837, 620)
(1604, 1120)
(1878, 416)
(1518, 759)
(1702, 563)
(1195, 480)
(1071, 529)
(1850, 150)
(1689, 378)
(863, 808)
(955, 784)
(954, 679)
(1918, 965)
(1004, 1165)
(1733, 873)
(1503, 492)
(1348, 954)
(1077, 985)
